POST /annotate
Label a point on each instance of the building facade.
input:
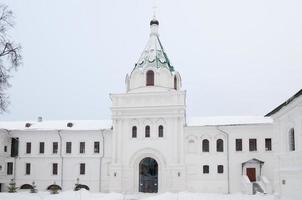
(151, 146)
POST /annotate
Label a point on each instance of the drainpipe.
(101, 158)
(61, 156)
(228, 155)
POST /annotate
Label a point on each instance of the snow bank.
(205, 196)
(86, 195)
(68, 195)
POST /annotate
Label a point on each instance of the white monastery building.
(151, 146)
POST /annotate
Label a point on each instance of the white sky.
(236, 57)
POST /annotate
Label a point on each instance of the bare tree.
(10, 57)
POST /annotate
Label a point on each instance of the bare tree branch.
(10, 55)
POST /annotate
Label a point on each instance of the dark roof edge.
(288, 101)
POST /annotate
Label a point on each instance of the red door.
(251, 173)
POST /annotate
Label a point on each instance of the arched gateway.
(148, 175)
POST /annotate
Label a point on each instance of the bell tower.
(153, 71)
(148, 125)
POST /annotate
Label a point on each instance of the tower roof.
(154, 54)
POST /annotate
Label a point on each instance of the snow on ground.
(86, 195)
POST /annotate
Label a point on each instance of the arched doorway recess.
(148, 175)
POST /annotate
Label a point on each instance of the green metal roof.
(154, 54)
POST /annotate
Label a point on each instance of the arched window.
(219, 145)
(26, 187)
(134, 131)
(160, 131)
(80, 186)
(205, 145)
(291, 140)
(175, 83)
(150, 78)
(147, 131)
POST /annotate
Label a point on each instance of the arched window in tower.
(175, 83)
(219, 145)
(205, 145)
(160, 131)
(291, 140)
(134, 131)
(150, 78)
(147, 131)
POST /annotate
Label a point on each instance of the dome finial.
(154, 20)
(154, 7)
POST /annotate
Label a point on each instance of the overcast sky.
(236, 57)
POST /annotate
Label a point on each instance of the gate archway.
(148, 175)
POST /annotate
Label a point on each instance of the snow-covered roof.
(287, 102)
(228, 120)
(57, 125)
(107, 124)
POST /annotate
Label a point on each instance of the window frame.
(55, 169)
(220, 169)
(175, 83)
(41, 147)
(147, 131)
(219, 145)
(10, 168)
(55, 147)
(96, 147)
(134, 132)
(206, 169)
(238, 144)
(82, 148)
(82, 169)
(28, 148)
(251, 147)
(205, 147)
(27, 168)
(68, 147)
(268, 144)
(150, 78)
(161, 131)
(291, 140)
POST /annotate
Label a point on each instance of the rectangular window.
(82, 147)
(206, 169)
(27, 168)
(220, 169)
(68, 147)
(55, 146)
(96, 147)
(14, 147)
(9, 169)
(28, 147)
(253, 144)
(54, 168)
(41, 149)
(238, 144)
(5, 148)
(268, 144)
(82, 168)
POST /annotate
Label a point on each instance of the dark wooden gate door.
(251, 173)
(148, 176)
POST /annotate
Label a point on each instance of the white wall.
(288, 163)
(153, 109)
(41, 164)
(214, 182)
